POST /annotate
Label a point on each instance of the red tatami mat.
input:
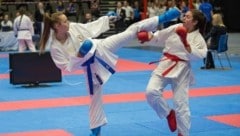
(232, 119)
(110, 98)
(124, 66)
(56, 132)
(3, 55)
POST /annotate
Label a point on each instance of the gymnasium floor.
(60, 109)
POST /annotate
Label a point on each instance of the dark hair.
(49, 22)
(22, 11)
(200, 18)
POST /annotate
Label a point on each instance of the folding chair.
(222, 49)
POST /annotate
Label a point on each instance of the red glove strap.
(182, 33)
(186, 45)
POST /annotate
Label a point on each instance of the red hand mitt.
(143, 36)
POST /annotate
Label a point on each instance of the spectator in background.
(151, 9)
(129, 13)
(207, 10)
(22, 6)
(157, 7)
(162, 7)
(119, 24)
(183, 7)
(95, 11)
(23, 29)
(38, 15)
(218, 29)
(197, 3)
(60, 6)
(136, 12)
(88, 17)
(2, 12)
(88, 2)
(218, 6)
(35, 37)
(1, 18)
(6, 23)
(48, 8)
(71, 10)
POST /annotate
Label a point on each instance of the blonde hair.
(217, 20)
(49, 22)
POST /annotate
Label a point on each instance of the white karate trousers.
(23, 45)
(180, 88)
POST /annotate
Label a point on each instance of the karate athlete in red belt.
(182, 43)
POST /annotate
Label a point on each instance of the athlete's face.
(188, 21)
(63, 25)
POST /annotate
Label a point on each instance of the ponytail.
(46, 32)
(48, 24)
(200, 18)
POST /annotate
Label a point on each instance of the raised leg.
(114, 42)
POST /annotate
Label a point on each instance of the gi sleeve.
(69, 64)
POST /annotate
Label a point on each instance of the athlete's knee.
(151, 94)
(148, 93)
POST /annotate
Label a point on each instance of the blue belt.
(89, 71)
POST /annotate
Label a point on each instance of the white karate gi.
(179, 77)
(23, 28)
(65, 56)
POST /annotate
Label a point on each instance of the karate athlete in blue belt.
(96, 57)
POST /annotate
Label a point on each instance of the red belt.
(174, 58)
